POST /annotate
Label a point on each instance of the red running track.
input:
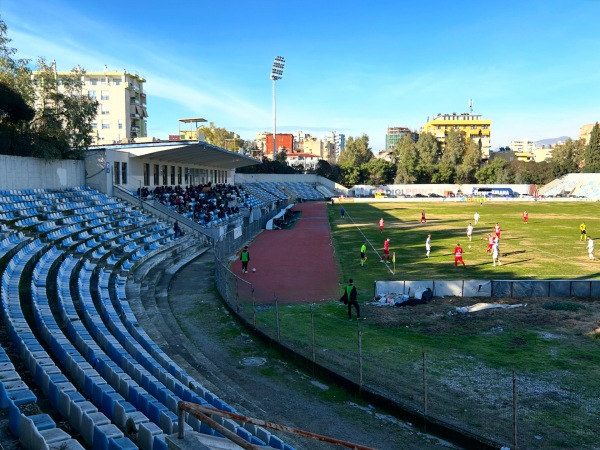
(295, 265)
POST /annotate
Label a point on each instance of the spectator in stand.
(177, 229)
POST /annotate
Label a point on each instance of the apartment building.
(339, 143)
(523, 145)
(122, 114)
(472, 125)
(585, 131)
(395, 135)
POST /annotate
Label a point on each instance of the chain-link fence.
(517, 410)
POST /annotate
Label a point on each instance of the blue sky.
(532, 67)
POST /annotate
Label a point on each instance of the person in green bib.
(349, 297)
(363, 254)
(245, 258)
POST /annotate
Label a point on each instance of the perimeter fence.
(501, 407)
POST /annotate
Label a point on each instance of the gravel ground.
(182, 311)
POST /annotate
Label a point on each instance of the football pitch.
(548, 247)
(549, 344)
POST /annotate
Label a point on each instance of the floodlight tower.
(276, 74)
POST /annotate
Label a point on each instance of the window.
(485, 127)
(455, 127)
(156, 175)
(172, 175)
(164, 175)
(473, 127)
(117, 172)
(120, 125)
(179, 175)
(94, 81)
(105, 126)
(92, 95)
(104, 95)
(117, 81)
(94, 126)
(104, 110)
(146, 174)
(186, 176)
(124, 172)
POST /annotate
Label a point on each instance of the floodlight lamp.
(277, 70)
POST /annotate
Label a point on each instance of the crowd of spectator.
(203, 203)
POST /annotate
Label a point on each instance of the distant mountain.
(551, 141)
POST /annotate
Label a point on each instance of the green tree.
(406, 170)
(217, 136)
(592, 152)
(454, 147)
(327, 170)
(497, 171)
(63, 121)
(282, 157)
(62, 124)
(356, 153)
(471, 161)
(351, 175)
(529, 172)
(15, 115)
(14, 73)
(567, 158)
(13, 107)
(429, 154)
(379, 171)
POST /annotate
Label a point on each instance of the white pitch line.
(370, 243)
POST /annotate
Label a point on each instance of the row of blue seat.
(115, 370)
(102, 422)
(33, 432)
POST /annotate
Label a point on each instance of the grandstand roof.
(191, 152)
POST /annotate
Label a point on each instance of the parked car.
(434, 195)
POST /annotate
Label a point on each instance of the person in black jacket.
(349, 297)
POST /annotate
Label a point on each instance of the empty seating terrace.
(75, 353)
(583, 185)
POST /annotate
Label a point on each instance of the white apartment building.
(523, 145)
(122, 111)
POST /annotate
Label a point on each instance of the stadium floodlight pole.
(276, 74)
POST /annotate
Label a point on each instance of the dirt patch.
(577, 316)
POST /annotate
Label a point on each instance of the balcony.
(135, 129)
(134, 116)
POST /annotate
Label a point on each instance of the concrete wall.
(18, 172)
(440, 189)
(494, 288)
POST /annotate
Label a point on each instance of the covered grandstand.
(73, 342)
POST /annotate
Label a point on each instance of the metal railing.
(203, 413)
